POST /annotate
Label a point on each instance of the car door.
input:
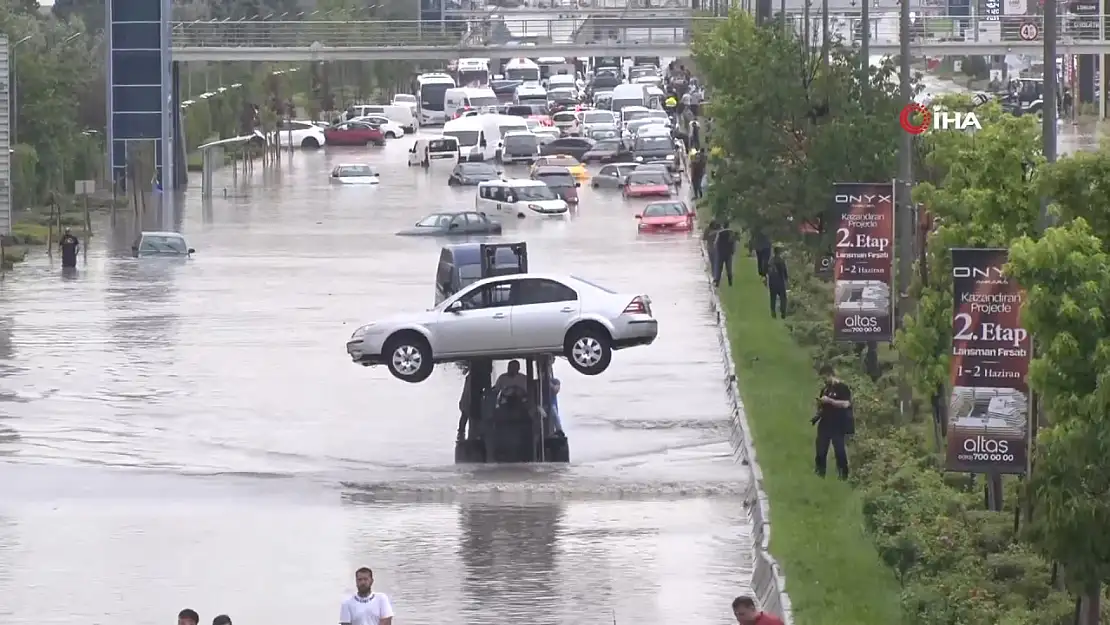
(457, 225)
(543, 309)
(476, 223)
(482, 326)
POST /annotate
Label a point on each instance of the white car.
(517, 195)
(354, 173)
(300, 134)
(506, 316)
(391, 129)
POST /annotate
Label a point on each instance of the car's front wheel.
(310, 143)
(588, 348)
(408, 356)
(390, 135)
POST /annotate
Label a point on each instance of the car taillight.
(637, 307)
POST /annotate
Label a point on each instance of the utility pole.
(904, 219)
(865, 46)
(825, 38)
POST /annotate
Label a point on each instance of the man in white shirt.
(366, 607)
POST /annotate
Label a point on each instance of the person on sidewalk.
(724, 247)
(833, 421)
(697, 173)
(743, 608)
(777, 279)
(707, 238)
(761, 244)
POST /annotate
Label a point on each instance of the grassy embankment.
(834, 575)
(32, 227)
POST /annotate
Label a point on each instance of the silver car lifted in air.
(511, 315)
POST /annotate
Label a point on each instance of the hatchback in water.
(560, 180)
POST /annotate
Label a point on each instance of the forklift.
(510, 425)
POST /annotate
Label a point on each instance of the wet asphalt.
(192, 433)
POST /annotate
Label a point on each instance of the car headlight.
(535, 207)
(639, 159)
(361, 332)
(670, 157)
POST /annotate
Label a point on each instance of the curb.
(768, 581)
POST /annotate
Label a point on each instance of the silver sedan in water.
(612, 176)
(505, 316)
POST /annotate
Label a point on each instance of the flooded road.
(192, 434)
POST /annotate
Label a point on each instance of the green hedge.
(948, 561)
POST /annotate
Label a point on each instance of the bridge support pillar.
(142, 94)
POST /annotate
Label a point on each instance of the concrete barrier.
(768, 582)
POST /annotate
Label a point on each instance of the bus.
(430, 89)
(472, 72)
(523, 70)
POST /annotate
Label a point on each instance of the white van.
(632, 113)
(497, 126)
(530, 94)
(428, 150)
(399, 114)
(566, 81)
(520, 197)
(474, 143)
(656, 98)
(471, 98)
(520, 146)
(629, 95)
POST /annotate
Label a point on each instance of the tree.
(1066, 275)
(786, 127)
(981, 192)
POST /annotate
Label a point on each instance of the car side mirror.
(192, 250)
(639, 217)
(135, 251)
(455, 307)
(578, 184)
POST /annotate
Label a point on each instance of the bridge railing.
(400, 34)
(959, 28)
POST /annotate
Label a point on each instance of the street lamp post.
(13, 105)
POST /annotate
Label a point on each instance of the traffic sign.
(1029, 31)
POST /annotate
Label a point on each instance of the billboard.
(988, 413)
(863, 261)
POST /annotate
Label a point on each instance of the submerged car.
(568, 146)
(472, 174)
(523, 314)
(578, 170)
(354, 174)
(452, 224)
(604, 151)
(665, 217)
(161, 244)
(559, 180)
(354, 133)
(646, 184)
(612, 176)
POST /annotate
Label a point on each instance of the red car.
(544, 120)
(354, 133)
(647, 184)
(665, 217)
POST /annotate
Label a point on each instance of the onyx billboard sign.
(988, 412)
(863, 261)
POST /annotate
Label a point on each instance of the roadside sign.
(1029, 31)
(84, 187)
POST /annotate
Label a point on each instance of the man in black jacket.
(777, 279)
(697, 173)
(69, 245)
(834, 422)
(760, 244)
(724, 246)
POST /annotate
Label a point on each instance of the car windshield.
(605, 133)
(535, 193)
(440, 145)
(522, 140)
(482, 102)
(355, 171)
(661, 115)
(608, 145)
(634, 115)
(465, 137)
(439, 220)
(646, 177)
(598, 117)
(404, 98)
(654, 143)
(476, 169)
(595, 285)
(561, 94)
(556, 179)
(665, 210)
(564, 117)
(162, 244)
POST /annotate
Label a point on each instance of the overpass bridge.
(588, 35)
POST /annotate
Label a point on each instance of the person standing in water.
(69, 245)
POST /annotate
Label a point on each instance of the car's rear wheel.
(408, 357)
(390, 135)
(310, 143)
(588, 348)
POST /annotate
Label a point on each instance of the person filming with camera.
(834, 421)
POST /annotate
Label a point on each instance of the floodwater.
(193, 434)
